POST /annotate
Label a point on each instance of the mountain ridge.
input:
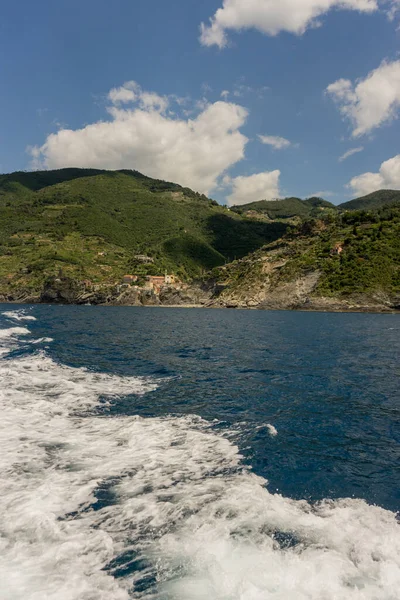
(314, 207)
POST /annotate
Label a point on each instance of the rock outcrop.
(264, 291)
(257, 283)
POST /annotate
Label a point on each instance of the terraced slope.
(91, 224)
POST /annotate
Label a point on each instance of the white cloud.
(393, 9)
(261, 186)
(241, 89)
(225, 94)
(388, 177)
(202, 104)
(273, 16)
(124, 94)
(131, 92)
(350, 153)
(279, 143)
(152, 101)
(193, 152)
(371, 101)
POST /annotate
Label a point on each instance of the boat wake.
(115, 507)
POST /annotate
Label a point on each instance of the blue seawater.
(194, 454)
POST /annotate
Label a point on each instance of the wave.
(13, 332)
(112, 508)
(18, 315)
(9, 338)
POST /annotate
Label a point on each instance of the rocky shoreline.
(297, 295)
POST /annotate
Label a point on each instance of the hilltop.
(288, 208)
(295, 208)
(373, 201)
(90, 224)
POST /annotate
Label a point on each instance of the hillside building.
(156, 282)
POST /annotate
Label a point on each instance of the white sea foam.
(13, 332)
(9, 338)
(43, 340)
(179, 505)
(18, 315)
(272, 430)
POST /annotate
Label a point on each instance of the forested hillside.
(91, 224)
(287, 208)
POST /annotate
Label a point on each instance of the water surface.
(193, 454)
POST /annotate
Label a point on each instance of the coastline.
(337, 308)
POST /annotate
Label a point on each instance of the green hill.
(372, 201)
(91, 224)
(343, 256)
(290, 208)
(287, 208)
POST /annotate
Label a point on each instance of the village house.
(158, 281)
(155, 282)
(170, 279)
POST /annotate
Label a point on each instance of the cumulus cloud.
(261, 186)
(278, 143)
(388, 177)
(131, 92)
(272, 16)
(193, 152)
(369, 102)
(124, 94)
(350, 153)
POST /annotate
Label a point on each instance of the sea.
(193, 454)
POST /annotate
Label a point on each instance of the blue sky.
(327, 81)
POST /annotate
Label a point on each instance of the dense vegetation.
(368, 260)
(287, 208)
(91, 224)
(290, 208)
(372, 201)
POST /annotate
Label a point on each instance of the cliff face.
(301, 294)
(65, 290)
(285, 295)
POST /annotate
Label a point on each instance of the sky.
(242, 100)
